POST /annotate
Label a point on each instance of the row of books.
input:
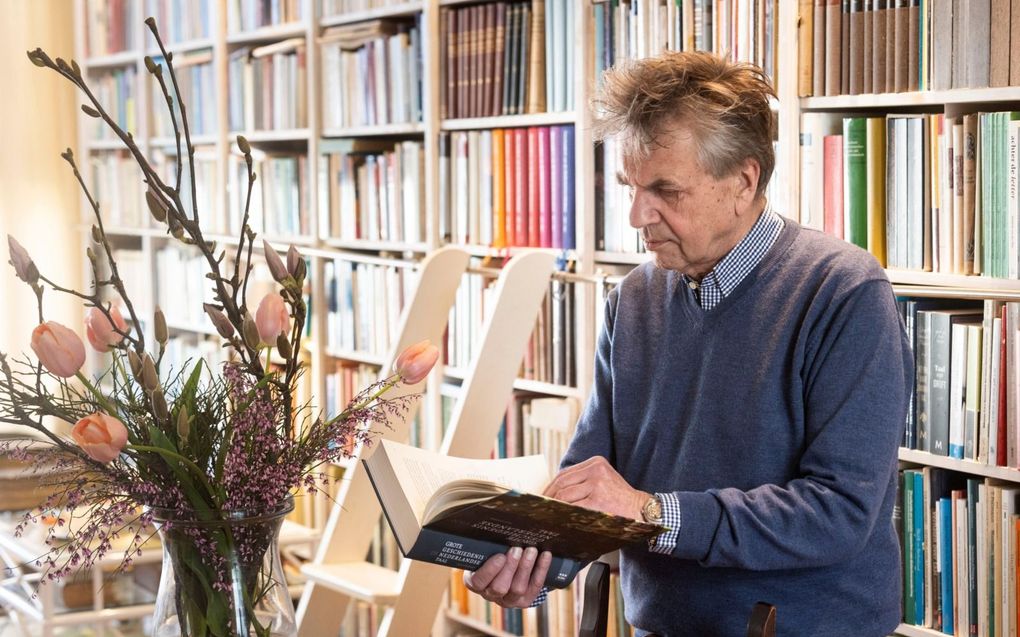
(550, 354)
(117, 91)
(184, 348)
(508, 187)
(961, 550)
(111, 26)
(887, 46)
(248, 15)
(557, 617)
(208, 199)
(181, 20)
(279, 197)
(493, 58)
(269, 87)
(371, 73)
(364, 303)
(118, 189)
(925, 192)
(744, 30)
(196, 80)
(180, 283)
(967, 394)
(374, 190)
(341, 7)
(613, 232)
(343, 382)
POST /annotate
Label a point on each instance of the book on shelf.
(459, 512)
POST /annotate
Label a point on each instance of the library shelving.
(340, 137)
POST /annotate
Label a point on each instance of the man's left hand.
(595, 484)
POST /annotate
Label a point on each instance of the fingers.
(573, 475)
(512, 580)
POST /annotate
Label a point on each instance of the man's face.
(688, 219)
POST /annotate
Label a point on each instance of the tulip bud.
(251, 332)
(159, 407)
(162, 334)
(415, 362)
(24, 267)
(219, 320)
(136, 365)
(283, 346)
(150, 379)
(103, 332)
(272, 317)
(183, 425)
(276, 266)
(156, 206)
(100, 436)
(58, 348)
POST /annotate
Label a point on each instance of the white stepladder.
(413, 595)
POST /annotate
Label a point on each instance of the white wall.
(38, 195)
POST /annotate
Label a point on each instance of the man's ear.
(746, 183)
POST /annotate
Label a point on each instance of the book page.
(421, 472)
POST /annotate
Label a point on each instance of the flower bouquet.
(210, 456)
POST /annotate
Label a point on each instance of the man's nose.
(642, 210)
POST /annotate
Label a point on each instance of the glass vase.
(222, 575)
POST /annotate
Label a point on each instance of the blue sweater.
(775, 417)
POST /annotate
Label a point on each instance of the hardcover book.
(458, 512)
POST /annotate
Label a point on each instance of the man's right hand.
(512, 580)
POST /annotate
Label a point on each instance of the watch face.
(652, 510)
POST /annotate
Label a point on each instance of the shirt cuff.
(665, 542)
(542, 596)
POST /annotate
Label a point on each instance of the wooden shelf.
(275, 32)
(908, 630)
(123, 58)
(378, 246)
(963, 466)
(361, 580)
(380, 130)
(508, 121)
(185, 46)
(356, 357)
(204, 330)
(406, 9)
(268, 136)
(626, 258)
(975, 286)
(917, 98)
(105, 144)
(171, 142)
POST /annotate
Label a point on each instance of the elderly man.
(751, 384)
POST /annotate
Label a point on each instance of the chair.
(595, 609)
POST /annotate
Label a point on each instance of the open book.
(459, 511)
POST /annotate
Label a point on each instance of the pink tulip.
(415, 362)
(59, 349)
(272, 318)
(100, 436)
(100, 331)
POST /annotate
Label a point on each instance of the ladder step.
(360, 580)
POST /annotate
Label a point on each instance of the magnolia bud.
(150, 64)
(156, 206)
(162, 334)
(88, 110)
(91, 254)
(24, 267)
(35, 58)
(283, 346)
(97, 236)
(136, 365)
(219, 320)
(242, 143)
(183, 425)
(251, 332)
(293, 259)
(150, 379)
(276, 266)
(159, 407)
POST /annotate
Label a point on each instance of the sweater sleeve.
(857, 378)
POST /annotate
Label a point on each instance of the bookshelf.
(964, 70)
(312, 134)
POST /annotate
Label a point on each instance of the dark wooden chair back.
(595, 608)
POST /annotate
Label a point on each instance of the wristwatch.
(651, 511)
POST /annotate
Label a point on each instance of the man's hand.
(513, 580)
(595, 484)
